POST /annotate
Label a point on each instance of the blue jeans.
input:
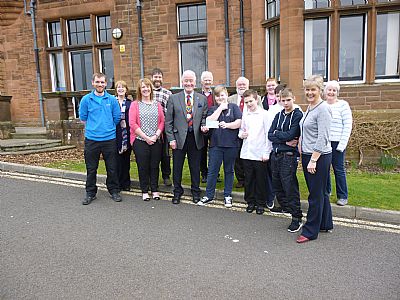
(216, 156)
(338, 160)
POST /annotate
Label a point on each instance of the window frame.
(190, 38)
(356, 80)
(93, 45)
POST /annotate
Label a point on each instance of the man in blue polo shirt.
(101, 113)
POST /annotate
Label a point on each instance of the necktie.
(241, 105)
(189, 112)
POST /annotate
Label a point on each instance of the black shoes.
(250, 208)
(116, 197)
(260, 210)
(295, 226)
(88, 199)
(204, 179)
(196, 200)
(176, 200)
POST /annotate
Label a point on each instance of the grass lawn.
(365, 189)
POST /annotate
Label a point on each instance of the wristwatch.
(313, 160)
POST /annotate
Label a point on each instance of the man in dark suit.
(185, 122)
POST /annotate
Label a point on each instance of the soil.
(44, 158)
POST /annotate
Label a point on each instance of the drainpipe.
(139, 12)
(227, 42)
(241, 31)
(36, 51)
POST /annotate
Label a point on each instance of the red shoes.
(302, 239)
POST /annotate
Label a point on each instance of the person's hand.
(312, 167)
(223, 124)
(292, 143)
(245, 134)
(149, 140)
(204, 129)
(265, 158)
(224, 105)
(153, 138)
(172, 144)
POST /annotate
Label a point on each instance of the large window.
(88, 49)
(387, 46)
(273, 52)
(351, 47)
(316, 47)
(192, 30)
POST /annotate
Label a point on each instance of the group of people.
(258, 139)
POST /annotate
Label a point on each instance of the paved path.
(52, 247)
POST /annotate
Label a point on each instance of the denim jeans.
(217, 155)
(338, 161)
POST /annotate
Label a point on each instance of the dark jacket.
(119, 133)
(284, 128)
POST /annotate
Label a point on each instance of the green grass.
(365, 189)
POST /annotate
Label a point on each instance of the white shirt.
(256, 145)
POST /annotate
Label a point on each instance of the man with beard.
(101, 113)
(162, 95)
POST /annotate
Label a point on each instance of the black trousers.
(165, 158)
(124, 168)
(92, 152)
(204, 154)
(285, 183)
(319, 214)
(255, 187)
(194, 156)
(239, 169)
(148, 162)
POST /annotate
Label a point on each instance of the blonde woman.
(316, 158)
(146, 119)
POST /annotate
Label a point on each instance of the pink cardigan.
(134, 118)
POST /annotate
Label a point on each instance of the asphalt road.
(52, 247)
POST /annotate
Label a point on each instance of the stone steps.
(15, 145)
(51, 149)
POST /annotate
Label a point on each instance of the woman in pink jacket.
(146, 120)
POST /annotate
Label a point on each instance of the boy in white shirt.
(255, 152)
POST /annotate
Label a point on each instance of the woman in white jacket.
(339, 136)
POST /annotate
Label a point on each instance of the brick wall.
(17, 68)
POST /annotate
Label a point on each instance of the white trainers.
(204, 201)
(342, 202)
(228, 201)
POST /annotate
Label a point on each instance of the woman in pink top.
(146, 120)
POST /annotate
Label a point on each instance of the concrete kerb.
(352, 212)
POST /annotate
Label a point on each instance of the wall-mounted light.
(117, 33)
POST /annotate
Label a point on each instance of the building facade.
(355, 42)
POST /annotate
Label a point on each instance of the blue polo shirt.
(101, 114)
(224, 137)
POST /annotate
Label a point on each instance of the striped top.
(342, 122)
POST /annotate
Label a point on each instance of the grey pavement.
(348, 211)
(52, 247)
